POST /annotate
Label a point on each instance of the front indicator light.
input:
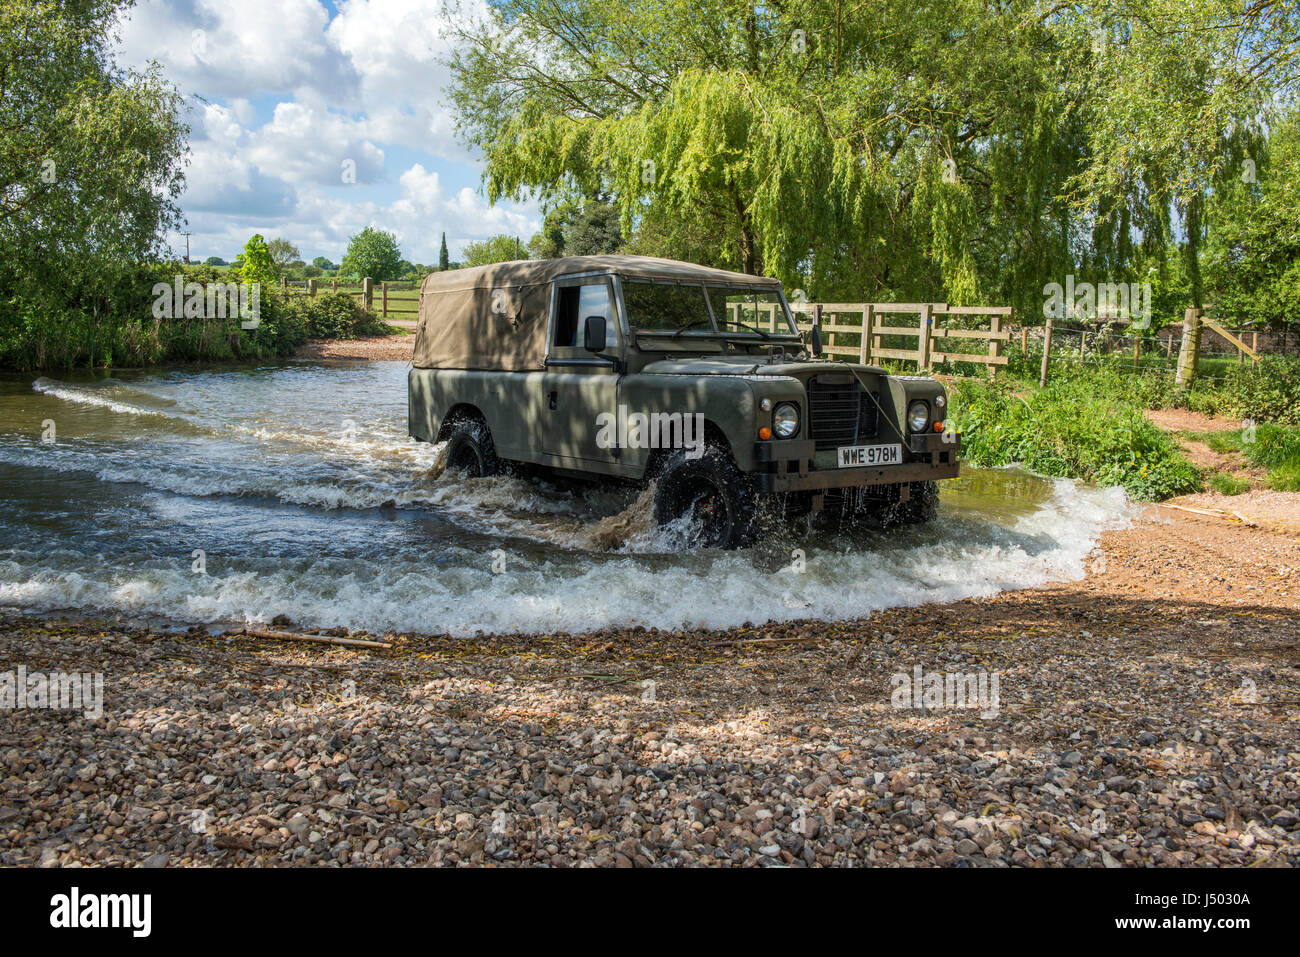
(938, 426)
(765, 433)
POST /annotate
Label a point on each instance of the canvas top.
(494, 317)
(523, 272)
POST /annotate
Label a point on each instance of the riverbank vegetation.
(1089, 423)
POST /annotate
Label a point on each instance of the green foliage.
(333, 316)
(34, 337)
(443, 259)
(497, 249)
(1270, 447)
(283, 253)
(90, 169)
(1267, 392)
(1071, 429)
(256, 265)
(1227, 484)
(374, 253)
(590, 228)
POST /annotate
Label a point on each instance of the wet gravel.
(1146, 716)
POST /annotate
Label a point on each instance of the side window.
(573, 305)
(566, 316)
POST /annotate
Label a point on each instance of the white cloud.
(398, 49)
(310, 144)
(353, 88)
(237, 48)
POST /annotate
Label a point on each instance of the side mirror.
(594, 333)
(815, 340)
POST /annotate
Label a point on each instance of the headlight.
(940, 401)
(918, 415)
(785, 420)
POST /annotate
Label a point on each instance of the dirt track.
(1146, 715)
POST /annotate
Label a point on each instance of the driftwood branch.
(319, 639)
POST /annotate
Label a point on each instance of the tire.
(470, 448)
(713, 493)
(921, 506)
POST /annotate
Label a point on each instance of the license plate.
(857, 456)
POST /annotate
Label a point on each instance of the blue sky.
(312, 120)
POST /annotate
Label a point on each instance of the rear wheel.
(712, 494)
(470, 448)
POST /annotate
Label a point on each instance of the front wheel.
(922, 504)
(712, 495)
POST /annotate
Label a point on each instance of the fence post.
(311, 287)
(367, 293)
(1190, 350)
(284, 283)
(995, 345)
(1024, 341)
(864, 350)
(1047, 352)
(336, 287)
(817, 320)
(1083, 346)
(923, 342)
(1254, 344)
(384, 292)
(1137, 346)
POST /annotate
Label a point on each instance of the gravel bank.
(1146, 716)
(391, 348)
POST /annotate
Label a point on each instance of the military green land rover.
(642, 369)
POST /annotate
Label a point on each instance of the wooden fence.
(858, 331)
(396, 299)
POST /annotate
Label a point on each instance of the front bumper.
(792, 465)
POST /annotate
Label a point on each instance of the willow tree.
(862, 150)
(91, 167)
(1185, 90)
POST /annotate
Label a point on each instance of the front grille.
(840, 412)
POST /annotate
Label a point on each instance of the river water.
(232, 496)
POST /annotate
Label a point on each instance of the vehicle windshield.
(745, 310)
(661, 307)
(665, 307)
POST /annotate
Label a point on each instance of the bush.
(1267, 392)
(115, 326)
(1077, 428)
(334, 316)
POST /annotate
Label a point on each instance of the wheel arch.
(461, 410)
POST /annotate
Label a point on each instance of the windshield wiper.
(754, 329)
(691, 325)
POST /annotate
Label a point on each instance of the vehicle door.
(578, 385)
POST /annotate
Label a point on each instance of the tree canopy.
(496, 249)
(374, 253)
(91, 166)
(898, 149)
